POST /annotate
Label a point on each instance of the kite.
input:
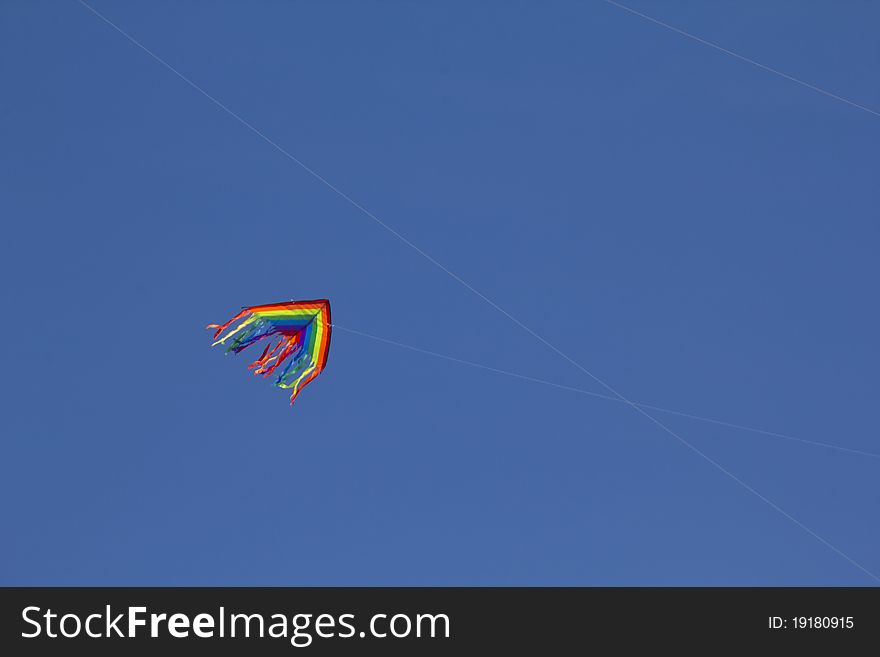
(302, 329)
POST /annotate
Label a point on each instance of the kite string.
(599, 395)
(743, 58)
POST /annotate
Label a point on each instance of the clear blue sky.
(698, 232)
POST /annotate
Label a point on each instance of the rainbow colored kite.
(303, 332)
